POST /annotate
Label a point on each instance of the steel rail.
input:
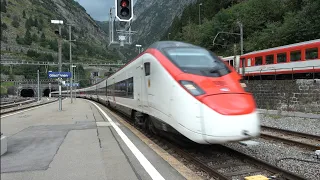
(280, 173)
(285, 133)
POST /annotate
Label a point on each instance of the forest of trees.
(266, 23)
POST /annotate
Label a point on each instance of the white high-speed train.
(182, 90)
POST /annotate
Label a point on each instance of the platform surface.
(76, 143)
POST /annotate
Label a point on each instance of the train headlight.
(192, 88)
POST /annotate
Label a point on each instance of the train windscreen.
(197, 61)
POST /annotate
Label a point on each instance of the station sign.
(59, 74)
(73, 84)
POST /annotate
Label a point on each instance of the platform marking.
(24, 110)
(181, 168)
(105, 124)
(141, 158)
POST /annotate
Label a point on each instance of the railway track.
(309, 141)
(16, 103)
(225, 163)
(219, 161)
(27, 107)
(12, 100)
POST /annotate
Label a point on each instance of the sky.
(98, 9)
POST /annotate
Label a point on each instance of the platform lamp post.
(74, 77)
(38, 78)
(49, 90)
(138, 46)
(200, 13)
(59, 22)
(70, 47)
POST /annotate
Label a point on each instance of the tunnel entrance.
(27, 93)
(46, 93)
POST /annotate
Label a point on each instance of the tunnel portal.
(27, 93)
(46, 93)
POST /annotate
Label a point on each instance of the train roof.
(167, 44)
(285, 46)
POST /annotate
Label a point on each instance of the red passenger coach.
(295, 59)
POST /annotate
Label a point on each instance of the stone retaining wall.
(287, 95)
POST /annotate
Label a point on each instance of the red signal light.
(124, 3)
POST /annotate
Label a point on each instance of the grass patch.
(7, 84)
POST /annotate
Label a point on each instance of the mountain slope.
(104, 26)
(154, 17)
(28, 24)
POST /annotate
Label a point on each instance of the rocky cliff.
(153, 18)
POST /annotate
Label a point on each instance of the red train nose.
(230, 104)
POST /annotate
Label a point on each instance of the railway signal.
(124, 10)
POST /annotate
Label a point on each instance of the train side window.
(295, 55)
(312, 53)
(130, 87)
(249, 62)
(269, 59)
(258, 61)
(147, 68)
(281, 58)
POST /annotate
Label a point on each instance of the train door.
(113, 89)
(137, 86)
(243, 66)
(145, 84)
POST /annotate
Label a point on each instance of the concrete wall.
(290, 95)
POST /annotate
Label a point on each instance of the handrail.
(271, 69)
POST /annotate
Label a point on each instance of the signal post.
(124, 15)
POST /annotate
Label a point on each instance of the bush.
(32, 54)
(4, 26)
(15, 22)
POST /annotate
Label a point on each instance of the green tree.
(43, 37)
(15, 22)
(4, 6)
(28, 23)
(33, 54)
(43, 41)
(19, 40)
(53, 45)
(34, 38)
(24, 14)
(27, 38)
(35, 22)
(4, 26)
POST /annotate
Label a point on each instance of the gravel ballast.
(293, 159)
(299, 124)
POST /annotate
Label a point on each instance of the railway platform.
(83, 141)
